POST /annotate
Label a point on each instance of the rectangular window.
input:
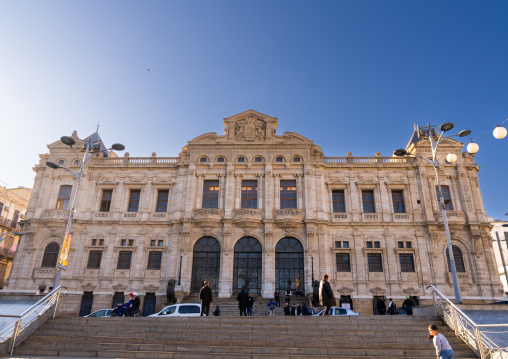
(369, 244)
(211, 194)
(400, 244)
(375, 263)
(338, 245)
(64, 197)
(288, 194)
(94, 242)
(124, 242)
(406, 263)
(124, 260)
(368, 202)
(134, 200)
(107, 194)
(377, 245)
(131, 242)
(345, 244)
(15, 219)
(161, 243)
(398, 202)
(162, 200)
(250, 194)
(339, 206)
(154, 260)
(153, 242)
(408, 245)
(94, 260)
(343, 262)
(446, 196)
(101, 242)
(1, 208)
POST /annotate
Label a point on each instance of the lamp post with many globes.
(430, 133)
(91, 150)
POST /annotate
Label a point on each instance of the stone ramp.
(241, 337)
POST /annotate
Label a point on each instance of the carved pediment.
(120, 287)
(150, 288)
(88, 287)
(377, 291)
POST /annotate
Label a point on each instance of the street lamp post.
(430, 132)
(89, 147)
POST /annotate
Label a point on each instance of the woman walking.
(443, 348)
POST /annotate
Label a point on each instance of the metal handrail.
(466, 329)
(28, 321)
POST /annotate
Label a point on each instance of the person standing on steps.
(381, 306)
(325, 294)
(408, 305)
(272, 305)
(443, 348)
(243, 300)
(276, 297)
(288, 296)
(391, 307)
(250, 305)
(205, 294)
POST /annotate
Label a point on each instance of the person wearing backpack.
(272, 305)
(391, 307)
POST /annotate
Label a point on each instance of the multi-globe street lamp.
(430, 133)
(91, 150)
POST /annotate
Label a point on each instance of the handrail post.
(435, 302)
(56, 303)
(15, 334)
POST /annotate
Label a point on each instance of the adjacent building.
(500, 246)
(257, 210)
(13, 205)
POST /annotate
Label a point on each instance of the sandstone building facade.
(258, 210)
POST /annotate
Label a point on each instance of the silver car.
(100, 313)
(179, 310)
(337, 311)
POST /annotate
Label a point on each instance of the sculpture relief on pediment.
(250, 129)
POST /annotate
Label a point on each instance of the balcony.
(288, 218)
(341, 217)
(453, 217)
(207, 217)
(248, 217)
(402, 217)
(55, 216)
(9, 223)
(371, 217)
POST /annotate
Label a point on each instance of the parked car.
(100, 313)
(337, 311)
(400, 311)
(500, 302)
(179, 310)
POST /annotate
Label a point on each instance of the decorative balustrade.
(378, 159)
(288, 217)
(248, 217)
(56, 215)
(9, 223)
(451, 216)
(207, 217)
(112, 161)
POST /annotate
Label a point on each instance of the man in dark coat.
(135, 304)
(325, 294)
(381, 306)
(205, 294)
(243, 301)
(408, 305)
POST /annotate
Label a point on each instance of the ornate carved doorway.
(205, 264)
(288, 264)
(247, 273)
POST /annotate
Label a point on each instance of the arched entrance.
(205, 264)
(247, 266)
(289, 264)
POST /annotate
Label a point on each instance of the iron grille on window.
(63, 197)
(211, 194)
(162, 201)
(459, 260)
(368, 202)
(124, 260)
(338, 202)
(94, 260)
(250, 194)
(375, 263)
(134, 200)
(50, 255)
(154, 260)
(288, 194)
(407, 263)
(107, 194)
(343, 262)
(398, 202)
(446, 196)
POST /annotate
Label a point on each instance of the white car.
(179, 310)
(337, 311)
(100, 313)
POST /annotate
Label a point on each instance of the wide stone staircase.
(257, 337)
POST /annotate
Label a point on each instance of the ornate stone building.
(254, 209)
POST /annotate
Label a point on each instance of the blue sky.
(349, 75)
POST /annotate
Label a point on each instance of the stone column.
(221, 191)
(261, 188)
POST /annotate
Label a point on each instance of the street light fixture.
(95, 150)
(429, 133)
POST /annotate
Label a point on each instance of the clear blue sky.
(349, 75)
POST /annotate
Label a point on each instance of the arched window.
(61, 162)
(279, 159)
(297, 159)
(76, 162)
(203, 159)
(221, 159)
(258, 159)
(459, 260)
(241, 159)
(50, 255)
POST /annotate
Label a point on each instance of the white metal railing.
(18, 327)
(474, 335)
